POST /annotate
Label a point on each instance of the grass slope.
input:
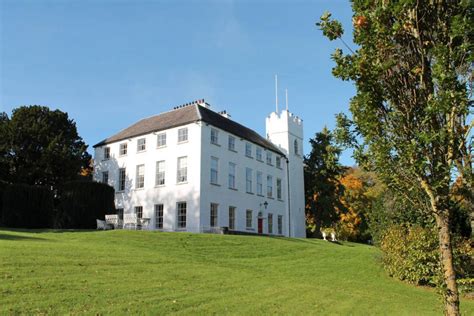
(159, 273)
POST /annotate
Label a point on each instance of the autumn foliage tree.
(357, 202)
(413, 76)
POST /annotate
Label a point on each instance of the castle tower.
(285, 130)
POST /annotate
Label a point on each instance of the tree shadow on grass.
(18, 237)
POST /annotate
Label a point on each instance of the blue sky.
(109, 63)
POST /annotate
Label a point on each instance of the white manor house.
(196, 170)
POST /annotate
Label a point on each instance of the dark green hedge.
(3, 186)
(81, 203)
(27, 206)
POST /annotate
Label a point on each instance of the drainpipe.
(289, 204)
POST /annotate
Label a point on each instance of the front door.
(260, 225)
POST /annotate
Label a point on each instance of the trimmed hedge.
(3, 186)
(412, 254)
(27, 206)
(81, 203)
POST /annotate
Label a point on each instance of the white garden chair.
(101, 224)
(130, 219)
(114, 221)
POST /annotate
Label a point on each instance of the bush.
(81, 203)
(411, 254)
(27, 206)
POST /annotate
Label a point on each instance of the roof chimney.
(224, 114)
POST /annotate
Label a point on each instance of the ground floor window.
(280, 225)
(214, 212)
(270, 223)
(232, 217)
(181, 211)
(159, 216)
(248, 218)
(120, 213)
(139, 211)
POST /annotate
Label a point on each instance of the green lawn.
(159, 273)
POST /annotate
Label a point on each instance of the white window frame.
(270, 223)
(182, 135)
(182, 170)
(140, 177)
(278, 162)
(258, 153)
(248, 219)
(269, 158)
(139, 211)
(269, 186)
(214, 215)
(231, 180)
(141, 145)
(279, 188)
(231, 143)
(214, 170)
(161, 140)
(106, 153)
(214, 136)
(259, 183)
(232, 217)
(160, 178)
(248, 180)
(248, 150)
(159, 215)
(123, 149)
(280, 224)
(122, 179)
(181, 217)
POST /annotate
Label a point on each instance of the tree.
(321, 172)
(413, 77)
(357, 200)
(43, 147)
(4, 148)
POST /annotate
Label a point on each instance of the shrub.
(81, 203)
(27, 206)
(410, 253)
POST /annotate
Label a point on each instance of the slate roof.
(186, 115)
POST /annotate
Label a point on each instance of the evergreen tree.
(321, 177)
(41, 147)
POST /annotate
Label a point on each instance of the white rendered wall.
(168, 194)
(239, 198)
(282, 130)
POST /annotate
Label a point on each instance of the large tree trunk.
(451, 295)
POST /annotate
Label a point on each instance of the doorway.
(260, 225)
